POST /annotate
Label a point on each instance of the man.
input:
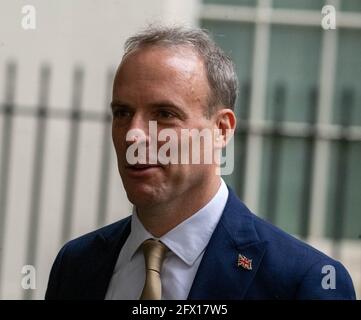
(189, 236)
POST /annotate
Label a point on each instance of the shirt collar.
(137, 236)
(188, 239)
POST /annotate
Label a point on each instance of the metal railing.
(275, 129)
(9, 111)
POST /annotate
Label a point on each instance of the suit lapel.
(218, 275)
(104, 257)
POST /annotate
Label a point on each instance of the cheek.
(118, 140)
(115, 138)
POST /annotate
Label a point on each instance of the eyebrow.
(117, 103)
(170, 105)
(154, 105)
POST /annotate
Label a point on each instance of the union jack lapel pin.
(244, 262)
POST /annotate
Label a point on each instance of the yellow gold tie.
(154, 253)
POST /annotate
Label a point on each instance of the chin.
(143, 195)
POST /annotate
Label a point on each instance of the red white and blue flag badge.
(244, 262)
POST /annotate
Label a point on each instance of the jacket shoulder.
(299, 270)
(70, 272)
(105, 233)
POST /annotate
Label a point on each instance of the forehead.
(180, 59)
(162, 67)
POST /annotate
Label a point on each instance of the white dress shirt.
(187, 243)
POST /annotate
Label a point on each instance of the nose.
(138, 131)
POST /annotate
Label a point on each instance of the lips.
(142, 166)
(142, 171)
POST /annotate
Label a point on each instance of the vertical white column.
(257, 108)
(322, 153)
(185, 12)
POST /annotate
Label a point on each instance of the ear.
(225, 123)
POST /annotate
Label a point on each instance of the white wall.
(89, 33)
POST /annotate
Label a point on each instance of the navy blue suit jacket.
(282, 266)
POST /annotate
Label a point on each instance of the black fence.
(310, 134)
(9, 111)
(76, 115)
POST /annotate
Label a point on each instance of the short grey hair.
(222, 78)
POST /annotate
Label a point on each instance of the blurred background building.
(298, 144)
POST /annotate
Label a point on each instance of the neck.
(161, 218)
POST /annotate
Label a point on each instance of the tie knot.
(154, 253)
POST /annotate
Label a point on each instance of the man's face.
(169, 86)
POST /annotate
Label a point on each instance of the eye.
(121, 113)
(165, 114)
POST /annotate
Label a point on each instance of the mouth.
(140, 170)
(139, 166)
